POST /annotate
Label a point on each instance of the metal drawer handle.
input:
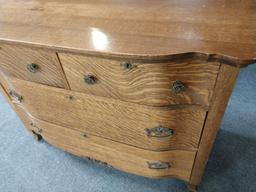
(159, 165)
(33, 68)
(127, 65)
(18, 98)
(89, 79)
(160, 132)
(178, 87)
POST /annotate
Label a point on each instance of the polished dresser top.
(135, 28)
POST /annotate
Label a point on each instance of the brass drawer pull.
(33, 68)
(178, 87)
(89, 79)
(159, 165)
(17, 98)
(127, 65)
(160, 132)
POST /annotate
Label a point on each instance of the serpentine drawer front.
(148, 163)
(143, 91)
(146, 127)
(175, 163)
(145, 83)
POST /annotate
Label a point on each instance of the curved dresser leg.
(192, 188)
(37, 136)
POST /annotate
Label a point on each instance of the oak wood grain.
(21, 113)
(14, 61)
(225, 30)
(120, 121)
(166, 40)
(223, 90)
(144, 83)
(120, 156)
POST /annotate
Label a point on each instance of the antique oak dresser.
(139, 85)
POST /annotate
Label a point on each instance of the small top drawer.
(156, 84)
(32, 65)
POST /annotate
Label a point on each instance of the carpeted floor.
(26, 166)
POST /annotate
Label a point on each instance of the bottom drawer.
(176, 163)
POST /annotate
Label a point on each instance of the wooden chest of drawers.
(152, 107)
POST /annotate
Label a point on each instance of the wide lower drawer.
(153, 128)
(175, 163)
(155, 84)
(30, 64)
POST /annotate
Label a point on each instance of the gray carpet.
(31, 167)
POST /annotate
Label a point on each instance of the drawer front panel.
(149, 84)
(22, 114)
(32, 64)
(124, 122)
(130, 159)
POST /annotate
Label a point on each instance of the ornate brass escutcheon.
(127, 65)
(89, 79)
(178, 87)
(160, 132)
(158, 165)
(33, 68)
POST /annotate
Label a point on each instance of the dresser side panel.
(223, 89)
